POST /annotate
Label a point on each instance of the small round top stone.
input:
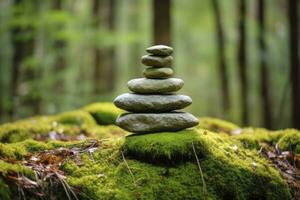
(160, 50)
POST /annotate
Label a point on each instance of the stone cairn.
(153, 105)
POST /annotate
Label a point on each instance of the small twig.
(260, 150)
(128, 167)
(20, 189)
(70, 189)
(66, 190)
(202, 178)
(66, 186)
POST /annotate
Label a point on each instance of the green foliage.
(103, 113)
(60, 42)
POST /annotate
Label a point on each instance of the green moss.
(163, 165)
(96, 177)
(223, 181)
(18, 150)
(6, 168)
(230, 171)
(167, 147)
(77, 117)
(72, 123)
(13, 132)
(108, 131)
(253, 137)
(216, 125)
(228, 174)
(5, 192)
(290, 141)
(27, 129)
(103, 113)
(12, 151)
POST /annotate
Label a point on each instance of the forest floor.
(81, 154)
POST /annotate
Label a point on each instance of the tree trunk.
(60, 61)
(162, 22)
(22, 49)
(98, 75)
(264, 72)
(111, 78)
(242, 61)
(221, 58)
(104, 67)
(294, 61)
(18, 56)
(135, 47)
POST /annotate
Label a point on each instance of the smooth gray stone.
(155, 86)
(152, 103)
(155, 122)
(157, 61)
(158, 72)
(160, 50)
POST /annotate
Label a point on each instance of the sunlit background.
(57, 55)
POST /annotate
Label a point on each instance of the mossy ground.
(287, 140)
(103, 113)
(149, 166)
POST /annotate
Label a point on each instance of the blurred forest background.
(239, 58)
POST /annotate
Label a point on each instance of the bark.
(111, 78)
(264, 72)
(223, 75)
(60, 60)
(22, 49)
(162, 22)
(242, 62)
(99, 73)
(135, 48)
(18, 56)
(104, 67)
(294, 61)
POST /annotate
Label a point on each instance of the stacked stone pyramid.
(153, 106)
